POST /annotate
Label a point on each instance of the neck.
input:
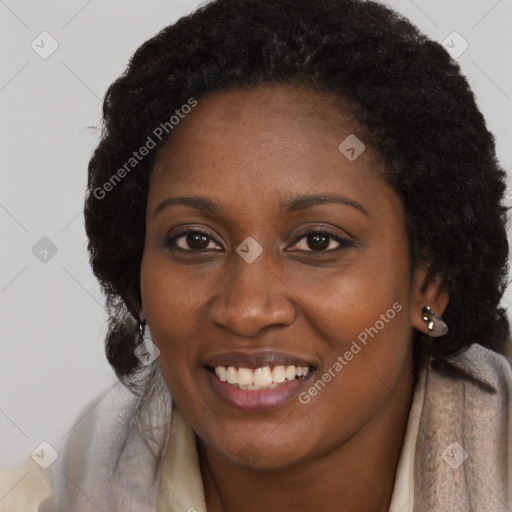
(359, 474)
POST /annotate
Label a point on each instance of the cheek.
(167, 307)
(350, 300)
(369, 330)
(169, 294)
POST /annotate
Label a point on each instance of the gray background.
(51, 309)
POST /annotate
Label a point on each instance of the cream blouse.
(181, 488)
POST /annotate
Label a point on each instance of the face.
(274, 261)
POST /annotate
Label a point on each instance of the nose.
(252, 297)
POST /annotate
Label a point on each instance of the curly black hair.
(410, 98)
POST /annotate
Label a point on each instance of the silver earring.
(146, 350)
(435, 325)
(141, 329)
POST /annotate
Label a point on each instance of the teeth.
(222, 373)
(279, 374)
(260, 378)
(290, 372)
(232, 375)
(244, 377)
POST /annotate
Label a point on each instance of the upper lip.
(256, 359)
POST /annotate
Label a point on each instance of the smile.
(258, 381)
(249, 379)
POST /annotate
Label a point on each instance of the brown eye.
(321, 241)
(193, 241)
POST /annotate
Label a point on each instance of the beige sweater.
(462, 462)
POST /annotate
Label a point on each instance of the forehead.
(256, 144)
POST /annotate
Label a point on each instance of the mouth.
(257, 381)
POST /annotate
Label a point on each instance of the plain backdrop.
(52, 319)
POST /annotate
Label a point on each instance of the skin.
(248, 150)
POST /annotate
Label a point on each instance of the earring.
(146, 351)
(141, 329)
(435, 325)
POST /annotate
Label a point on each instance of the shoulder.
(460, 455)
(90, 447)
(97, 461)
(90, 443)
(487, 366)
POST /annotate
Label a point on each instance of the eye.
(312, 241)
(321, 241)
(193, 241)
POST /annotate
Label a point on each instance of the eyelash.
(344, 243)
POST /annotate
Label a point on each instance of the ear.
(430, 291)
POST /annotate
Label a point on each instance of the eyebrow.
(199, 203)
(304, 202)
(298, 203)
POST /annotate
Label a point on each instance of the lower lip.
(258, 400)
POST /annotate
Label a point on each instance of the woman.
(295, 213)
